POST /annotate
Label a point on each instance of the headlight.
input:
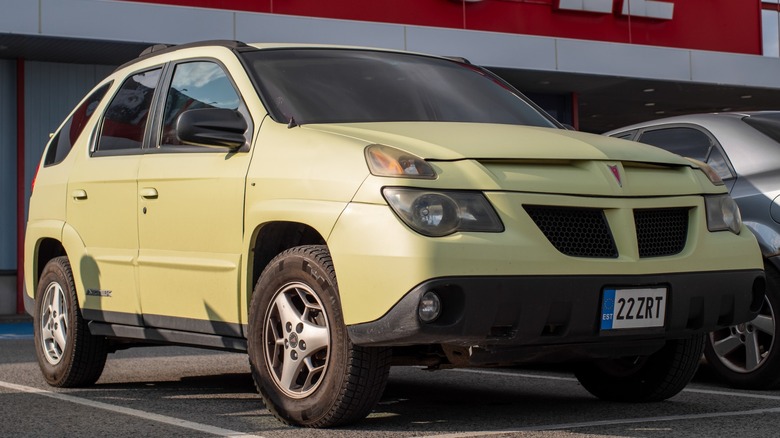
(722, 214)
(387, 161)
(439, 213)
(712, 175)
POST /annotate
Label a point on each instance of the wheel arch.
(48, 248)
(43, 242)
(272, 238)
(43, 250)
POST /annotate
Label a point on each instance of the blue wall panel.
(7, 165)
(52, 90)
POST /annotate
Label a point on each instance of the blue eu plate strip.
(608, 309)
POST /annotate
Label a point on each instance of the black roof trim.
(157, 49)
(459, 59)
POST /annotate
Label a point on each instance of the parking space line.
(129, 411)
(616, 422)
(732, 394)
(572, 379)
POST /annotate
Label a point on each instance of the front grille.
(661, 232)
(576, 232)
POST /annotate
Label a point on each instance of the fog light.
(430, 307)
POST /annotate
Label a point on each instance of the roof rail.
(157, 49)
(460, 59)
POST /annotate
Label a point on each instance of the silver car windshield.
(344, 86)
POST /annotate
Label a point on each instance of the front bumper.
(504, 312)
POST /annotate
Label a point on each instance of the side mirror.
(217, 127)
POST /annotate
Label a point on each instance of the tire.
(305, 367)
(652, 378)
(68, 355)
(746, 355)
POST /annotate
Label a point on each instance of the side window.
(689, 142)
(199, 84)
(124, 122)
(624, 135)
(63, 141)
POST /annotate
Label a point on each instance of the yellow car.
(332, 211)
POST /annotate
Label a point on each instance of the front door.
(190, 217)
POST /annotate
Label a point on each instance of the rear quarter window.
(689, 142)
(62, 142)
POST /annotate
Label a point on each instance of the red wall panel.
(718, 25)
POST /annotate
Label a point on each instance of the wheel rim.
(745, 347)
(297, 340)
(54, 323)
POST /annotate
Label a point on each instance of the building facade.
(594, 64)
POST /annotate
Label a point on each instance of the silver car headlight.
(722, 213)
(711, 173)
(440, 213)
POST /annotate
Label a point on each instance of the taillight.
(32, 186)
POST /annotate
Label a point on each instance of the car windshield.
(768, 124)
(344, 85)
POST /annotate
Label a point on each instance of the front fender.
(318, 215)
(768, 238)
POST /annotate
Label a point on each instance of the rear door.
(102, 202)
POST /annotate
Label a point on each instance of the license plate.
(633, 308)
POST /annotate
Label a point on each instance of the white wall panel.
(133, 21)
(7, 165)
(265, 28)
(484, 48)
(144, 22)
(731, 69)
(626, 60)
(19, 16)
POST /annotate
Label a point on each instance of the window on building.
(195, 85)
(63, 140)
(124, 123)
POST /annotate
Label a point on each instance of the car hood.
(457, 141)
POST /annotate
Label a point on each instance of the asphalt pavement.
(184, 392)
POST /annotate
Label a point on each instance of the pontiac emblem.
(616, 173)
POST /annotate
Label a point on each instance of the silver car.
(744, 150)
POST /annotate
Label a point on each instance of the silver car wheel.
(745, 347)
(297, 340)
(54, 323)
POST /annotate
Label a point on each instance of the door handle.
(148, 193)
(79, 194)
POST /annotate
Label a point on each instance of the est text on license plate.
(633, 308)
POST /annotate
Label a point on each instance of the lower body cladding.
(504, 320)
